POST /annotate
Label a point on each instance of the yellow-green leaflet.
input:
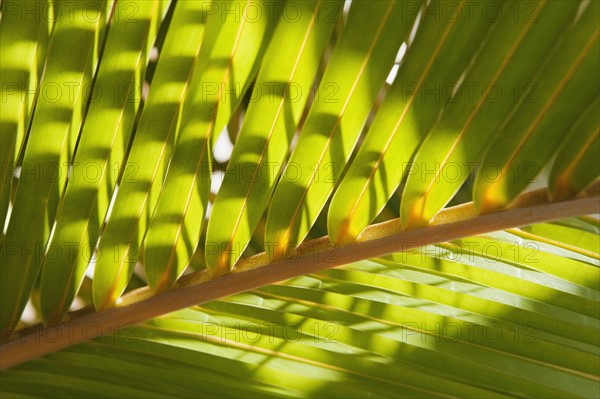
(65, 90)
(411, 107)
(576, 165)
(125, 232)
(24, 39)
(174, 230)
(103, 141)
(278, 99)
(354, 75)
(152, 145)
(563, 89)
(497, 83)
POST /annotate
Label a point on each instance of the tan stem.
(312, 256)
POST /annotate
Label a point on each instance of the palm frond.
(468, 318)
(359, 130)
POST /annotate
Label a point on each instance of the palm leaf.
(174, 229)
(567, 84)
(258, 155)
(91, 178)
(71, 61)
(340, 255)
(406, 325)
(408, 113)
(153, 142)
(571, 171)
(453, 148)
(359, 65)
(23, 55)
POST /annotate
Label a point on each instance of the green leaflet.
(546, 259)
(576, 165)
(478, 299)
(493, 87)
(588, 224)
(352, 345)
(354, 75)
(566, 85)
(65, 90)
(104, 137)
(24, 39)
(566, 237)
(152, 145)
(410, 109)
(278, 99)
(174, 230)
(484, 261)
